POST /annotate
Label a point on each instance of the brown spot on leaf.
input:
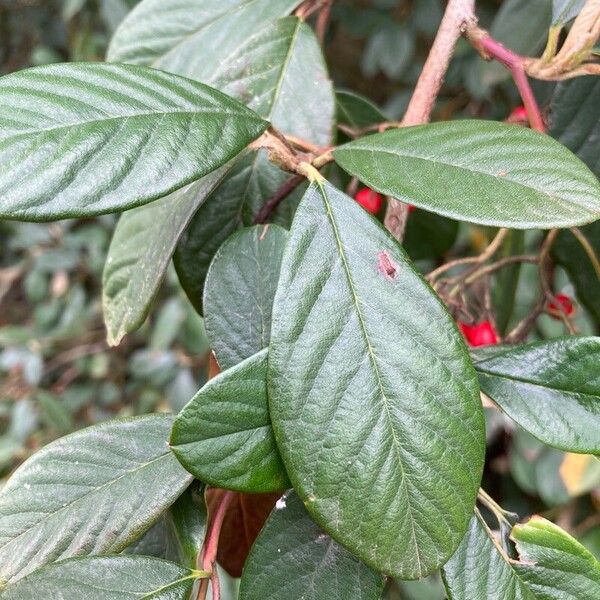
(386, 265)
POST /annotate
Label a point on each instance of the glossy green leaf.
(140, 252)
(186, 524)
(356, 111)
(92, 492)
(373, 399)
(554, 565)
(574, 119)
(478, 171)
(551, 389)
(569, 253)
(216, 219)
(280, 71)
(480, 568)
(85, 139)
(189, 37)
(182, 28)
(239, 291)
(293, 558)
(224, 436)
(565, 10)
(106, 578)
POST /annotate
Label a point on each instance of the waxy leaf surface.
(479, 171)
(92, 492)
(106, 578)
(239, 292)
(140, 252)
(551, 389)
(191, 37)
(293, 558)
(552, 565)
(85, 139)
(279, 72)
(223, 435)
(373, 399)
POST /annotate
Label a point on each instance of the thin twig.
(490, 48)
(499, 264)
(273, 202)
(489, 251)
(420, 106)
(208, 555)
(493, 507)
(458, 14)
(323, 21)
(522, 329)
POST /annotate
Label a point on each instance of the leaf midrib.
(373, 361)
(495, 178)
(545, 386)
(142, 115)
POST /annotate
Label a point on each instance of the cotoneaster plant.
(344, 408)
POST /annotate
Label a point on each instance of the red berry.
(411, 208)
(518, 115)
(369, 199)
(480, 334)
(561, 305)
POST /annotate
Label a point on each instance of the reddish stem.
(323, 21)
(208, 555)
(211, 543)
(273, 202)
(514, 63)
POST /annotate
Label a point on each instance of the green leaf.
(552, 565)
(356, 111)
(216, 219)
(507, 280)
(428, 236)
(140, 252)
(564, 11)
(373, 399)
(276, 71)
(281, 72)
(106, 578)
(551, 389)
(573, 119)
(224, 436)
(239, 291)
(478, 171)
(188, 37)
(555, 566)
(85, 139)
(293, 558)
(480, 568)
(568, 252)
(186, 524)
(92, 492)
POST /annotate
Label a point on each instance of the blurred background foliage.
(57, 373)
